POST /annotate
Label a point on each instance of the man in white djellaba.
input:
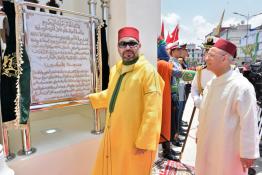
(228, 141)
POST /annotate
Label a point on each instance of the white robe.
(206, 76)
(227, 126)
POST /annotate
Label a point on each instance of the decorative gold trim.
(99, 59)
(58, 106)
(14, 124)
(58, 101)
(19, 59)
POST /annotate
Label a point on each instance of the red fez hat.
(128, 32)
(226, 46)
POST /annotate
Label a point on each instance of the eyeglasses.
(213, 55)
(124, 44)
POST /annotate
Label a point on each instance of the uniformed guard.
(202, 76)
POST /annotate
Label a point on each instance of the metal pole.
(97, 121)
(247, 17)
(26, 142)
(187, 133)
(105, 9)
(8, 155)
(105, 14)
(25, 129)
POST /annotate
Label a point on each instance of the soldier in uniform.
(178, 93)
(202, 76)
(166, 70)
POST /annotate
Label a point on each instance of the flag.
(174, 35)
(219, 26)
(105, 55)
(102, 43)
(168, 38)
(163, 30)
(15, 87)
(9, 68)
(256, 45)
(24, 85)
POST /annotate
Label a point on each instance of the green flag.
(24, 84)
(254, 56)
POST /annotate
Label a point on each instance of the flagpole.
(97, 119)
(163, 30)
(187, 132)
(219, 26)
(27, 148)
(105, 14)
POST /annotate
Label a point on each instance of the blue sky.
(197, 18)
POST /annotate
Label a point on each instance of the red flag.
(174, 35)
(163, 30)
(168, 38)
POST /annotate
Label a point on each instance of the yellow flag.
(219, 26)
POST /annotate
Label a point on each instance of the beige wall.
(143, 14)
(78, 5)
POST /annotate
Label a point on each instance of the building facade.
(254, 43)
(247, 40)
(195, 54)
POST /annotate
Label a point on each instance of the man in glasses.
(134, 106)
(203, 75)
(228, 141)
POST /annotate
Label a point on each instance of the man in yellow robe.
(134, 109)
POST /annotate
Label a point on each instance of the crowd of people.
(174, 97)
(145, 107)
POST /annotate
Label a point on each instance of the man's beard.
(129, 55)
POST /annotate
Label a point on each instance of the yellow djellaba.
(133, 119)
